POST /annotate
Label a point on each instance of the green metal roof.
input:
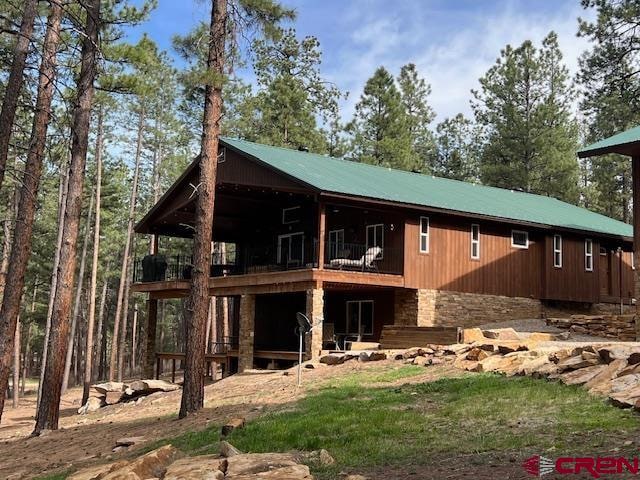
(351, 178)
(626, 143)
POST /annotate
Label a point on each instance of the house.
(358, 247)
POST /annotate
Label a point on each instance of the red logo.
(594, 466)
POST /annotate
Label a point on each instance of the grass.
(364, 427)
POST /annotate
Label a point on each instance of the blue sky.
(452, 42)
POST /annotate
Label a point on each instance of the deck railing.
(274, 258)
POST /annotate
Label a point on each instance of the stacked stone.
(621, 327)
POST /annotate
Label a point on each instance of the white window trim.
(524, 247)
(373, 227)
(557, 250)
(426, 235)
(587, 255)
(289, 235)
(331, 232)
(475, 241)
(284, 210)
(373, 317)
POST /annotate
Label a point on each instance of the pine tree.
(379, 129)
(457, 149)
(523, 107)
(291, 92)
(414, 92)
(610, 101)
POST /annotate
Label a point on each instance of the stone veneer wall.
(315, 312)
(554, 309)
(246, 332)
(428, 308)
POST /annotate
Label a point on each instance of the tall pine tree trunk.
(134, 338)
(7, 230)
(99, 335)
(49, 408)
(21, 246)
(198, 300)
(125, 319)
(88, 364)
(78, 299)
(113, 365)
(62, 203)
(15, 81)
(16, 365)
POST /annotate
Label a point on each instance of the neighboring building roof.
(625, 143)
(340, 176)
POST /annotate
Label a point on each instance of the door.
(605, 271)
(291, 250)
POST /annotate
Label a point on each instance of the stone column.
(150, 338)
(315, 312)
(247, 332)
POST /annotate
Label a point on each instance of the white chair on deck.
(365, 262)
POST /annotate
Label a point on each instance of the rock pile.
(109, 393)
(621, 327)
(165, 463)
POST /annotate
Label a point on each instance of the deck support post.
(315, 312)
(322, 222)
(246, 332)
(150, 338)
(635, 168)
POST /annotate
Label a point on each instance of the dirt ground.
(88, 439)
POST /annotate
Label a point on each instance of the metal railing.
(273, 258)
(360, 257)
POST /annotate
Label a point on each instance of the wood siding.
(506, 270)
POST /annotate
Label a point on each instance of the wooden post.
(150, 338)
(322, 221)
(636, 229)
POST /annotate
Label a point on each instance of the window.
(359, 317)
(290, 215)
(424, 234)
(291, 250)
(375, 237)
(519, 239)
(336, 244)
(557, 251)
(475, 241)
(588, 255)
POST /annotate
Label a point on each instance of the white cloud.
(452, 48)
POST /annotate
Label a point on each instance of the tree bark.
(125, 319)
(198, 300)
(15, 81)
(88, 364)
(62, 202)
(16, 365)
(134, 338)
(49, 408)
(78, 299)
(125, 256)
(7, 229)
(21, 247)
(99, 329)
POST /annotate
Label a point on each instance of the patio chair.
(367, 261)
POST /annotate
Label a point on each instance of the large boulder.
(93, 404)
(333, 359)
(97, 472)
(151, 465)
(106, 387)
(293, 472)
(583, 375)
(254, 463)
(203, 467)
(147, 387)
(502, 334)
